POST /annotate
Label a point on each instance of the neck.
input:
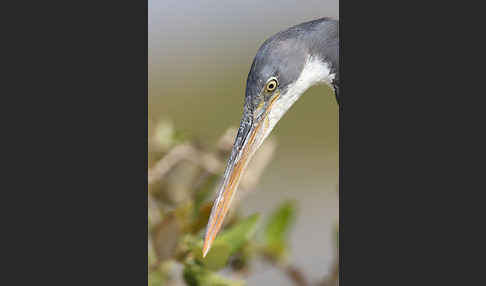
(315, 72)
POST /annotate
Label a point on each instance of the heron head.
(282, 70)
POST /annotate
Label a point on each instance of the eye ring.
(271, 85)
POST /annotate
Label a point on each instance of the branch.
(183, 152)
(295, 275)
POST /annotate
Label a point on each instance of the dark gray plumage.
(283, 55)
(286, 65)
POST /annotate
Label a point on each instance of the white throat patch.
(315, 72)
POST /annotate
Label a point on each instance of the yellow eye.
(271, 85)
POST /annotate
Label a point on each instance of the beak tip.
(206, 247)
(205, 252)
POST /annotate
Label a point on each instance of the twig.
(291, 271)
(225, 143)
(295, 275)
(180, 153)
(211, 163)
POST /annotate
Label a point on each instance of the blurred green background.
(200, 53)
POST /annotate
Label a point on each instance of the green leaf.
(195, 275)
(277, 229)
(156, 278)
(217, 258)
(227, 243)
(240, 233)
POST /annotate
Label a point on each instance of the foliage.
(277, 230)
(182, 179)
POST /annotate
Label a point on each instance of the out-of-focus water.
(200, 53)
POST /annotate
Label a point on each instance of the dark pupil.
(270, 86)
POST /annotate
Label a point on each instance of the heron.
(285, 66)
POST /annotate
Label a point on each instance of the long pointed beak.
(241, 155)
(248, 140)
